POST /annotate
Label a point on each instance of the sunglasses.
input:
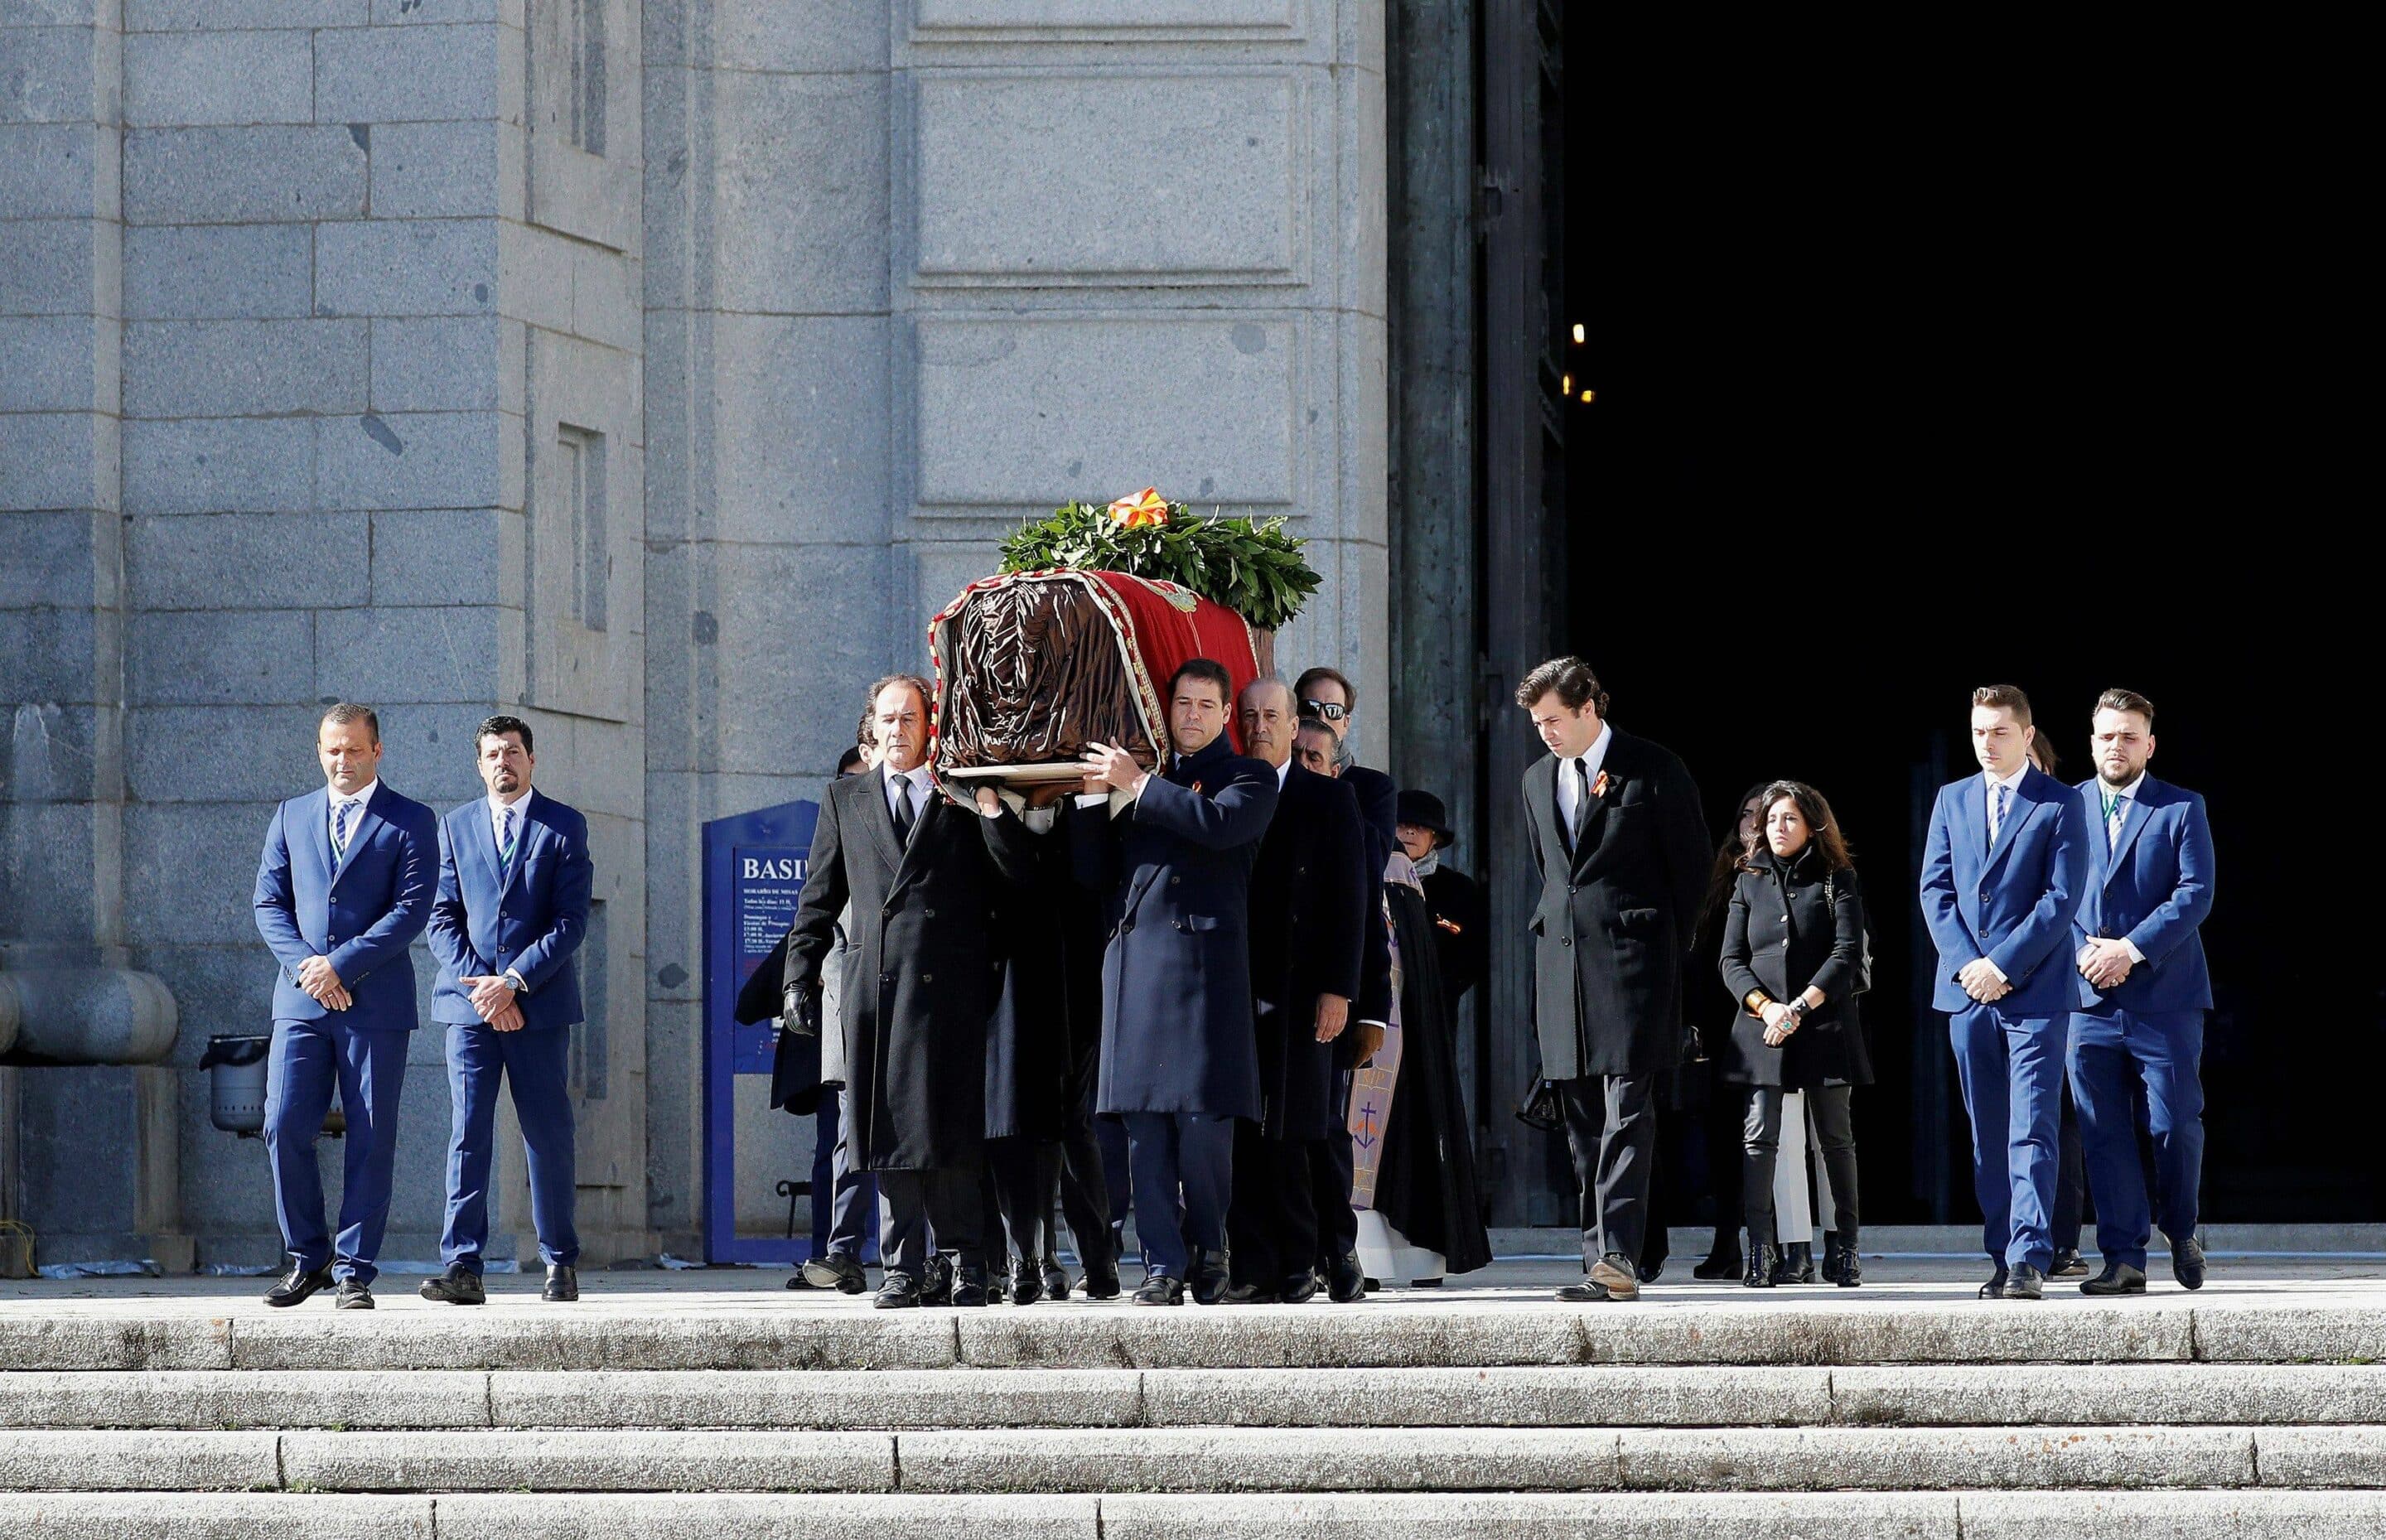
(1329, 710)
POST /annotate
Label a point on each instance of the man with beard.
(1179, 1061)
(1309, 891)
(926, 880)
(2137, 948)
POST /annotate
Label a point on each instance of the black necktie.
(1581, 804)
(903, 819)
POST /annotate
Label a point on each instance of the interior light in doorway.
(1566, 384)
(1586, 395)
(1578, 331)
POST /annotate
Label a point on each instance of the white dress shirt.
(361, 795)
(1283, 773)
(1572, 783)
(2015, 781)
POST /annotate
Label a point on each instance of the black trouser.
(1330, 1178)
(1272, 1216)
(1085, 1175)
(1610, 1123)
(1722, 1149)
(1019, 1174)
(944, 1198)
(1761, 1143)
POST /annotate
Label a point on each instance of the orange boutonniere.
(1196, 786)
(1145, 508)
(1599, 787)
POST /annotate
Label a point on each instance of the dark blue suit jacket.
(1174, 870)
(530, 919)
(361, 919)
(2154, 888)
(2013, 904)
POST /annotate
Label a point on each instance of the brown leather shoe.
(1615, 1273)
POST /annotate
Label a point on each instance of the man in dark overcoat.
(1622, 850)
(927, 880)
(1179, 1061)
(1308, 906)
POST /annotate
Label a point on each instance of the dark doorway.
(1897, 393)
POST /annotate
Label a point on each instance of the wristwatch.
(1798, 1012)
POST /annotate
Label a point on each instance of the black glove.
(801, 1012)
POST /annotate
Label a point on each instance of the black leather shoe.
(1056, 1279)
(1584, 1293)
(1210, 1277)
(1298, 1289)
(1764, 1266)
(2068, 1264)
(1161, 1289)
(1346, 1282)
(459, 1286)
(899, 1292)
(1026, 1282)
(1995, 1287)
(2186, 1262)
(997, 1286)
(1797, 1263)
(353, 1295)
(1246, 1293)
(1723, 1261)
(834, 1270)
(1099, 1282)
(938, 1287)
(562, 1285)
(1840, 1264)
(970, 1289)
(2026, 1283)
(298, 1286)
(2116, 1278)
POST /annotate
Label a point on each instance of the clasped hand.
(1778, 1023)
(494, 999)
(322, 984)
(1980, 981)
(2104, 962)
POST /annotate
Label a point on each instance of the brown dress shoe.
(1615, 1273)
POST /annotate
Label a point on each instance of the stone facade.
(652, 370)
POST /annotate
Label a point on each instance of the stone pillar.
(62, 625)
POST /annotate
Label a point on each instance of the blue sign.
(754, 867)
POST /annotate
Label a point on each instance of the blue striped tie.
(2004, 805)
(340, 830)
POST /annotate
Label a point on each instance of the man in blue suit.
(514, 883)
(1180, 1053)
(2143, 991)
(2003, 876)
(343, 889)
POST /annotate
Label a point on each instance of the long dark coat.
(1035, 1015)
(1311, 902)
(1379, 808)
(925, 931)
(1462, 925)
(1175, 869)
(1790, 929)
(1613, 921)
(1426, 1184)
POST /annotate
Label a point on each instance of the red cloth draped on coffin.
(1030, 666)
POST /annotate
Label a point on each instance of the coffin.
(1031, 666)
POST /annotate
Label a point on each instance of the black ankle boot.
(1840, 1264)
(1797, 1263)
(1722, 1258)
(1762, 1261)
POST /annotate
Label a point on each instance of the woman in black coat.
(1793, 956)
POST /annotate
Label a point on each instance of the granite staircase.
(1448, 1418)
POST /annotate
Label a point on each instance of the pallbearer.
(1179, 1063)
(1310, 904)
(514, 884)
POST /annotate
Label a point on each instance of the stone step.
(1200, 1460)
(1888, 1515)
(1378, 1334)
(1608, 1397)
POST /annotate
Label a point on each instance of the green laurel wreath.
(1254, 569)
